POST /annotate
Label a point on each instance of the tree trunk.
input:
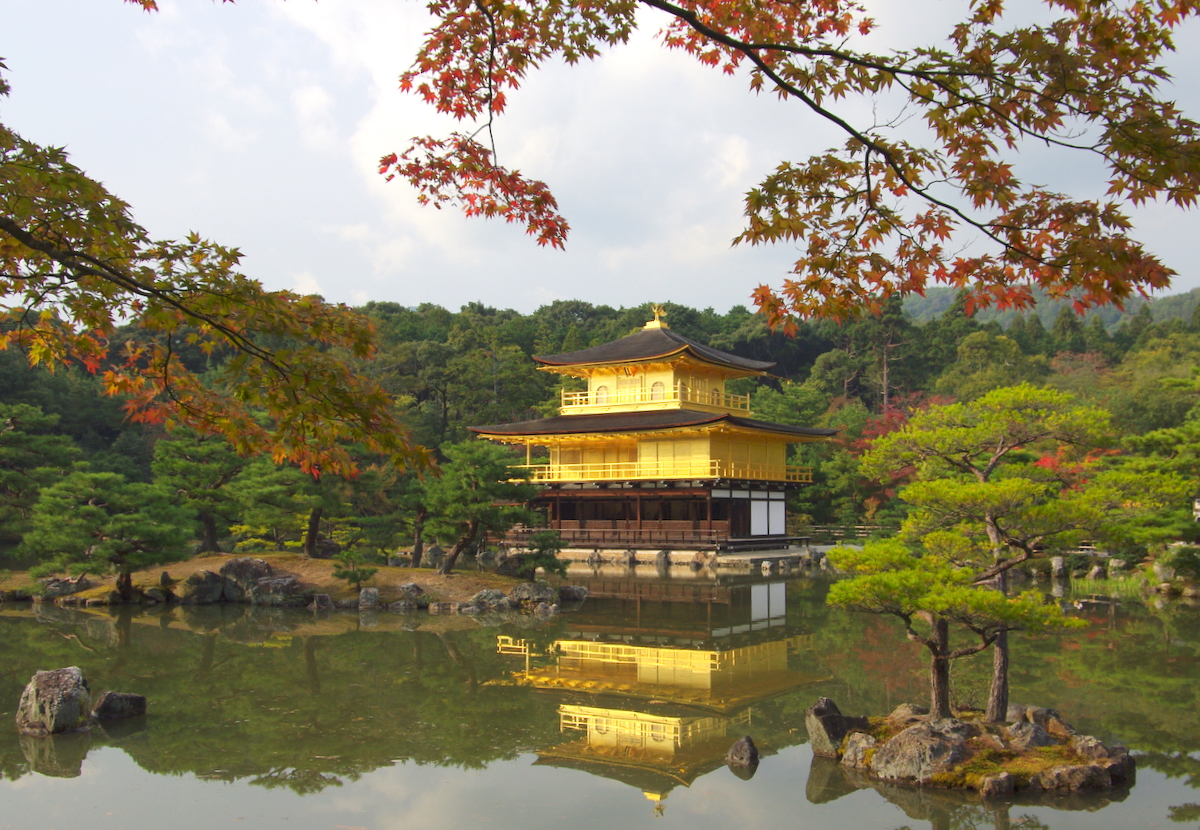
(419, 536)
(125, 586)
(939, 670)
(313, 532)
(997, 708)
(451, 559)
(208, 539)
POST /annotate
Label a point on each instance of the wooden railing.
(577, 402)
(703, 468)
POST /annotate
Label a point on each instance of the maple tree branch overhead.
(875, 217)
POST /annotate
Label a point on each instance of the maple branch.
(90, 266)
(693, 20)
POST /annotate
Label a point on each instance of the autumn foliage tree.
(75, 267)
(930, 196)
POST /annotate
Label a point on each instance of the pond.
(618, 714)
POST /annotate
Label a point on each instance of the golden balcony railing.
(666, 470)
(591, 400)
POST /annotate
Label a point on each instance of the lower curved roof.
(665, 419)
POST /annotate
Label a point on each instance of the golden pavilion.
(655, 453)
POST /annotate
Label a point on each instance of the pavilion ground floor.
(714, 515)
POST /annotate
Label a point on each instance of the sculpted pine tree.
(474, 495)
(1002, 476)
(929, 591)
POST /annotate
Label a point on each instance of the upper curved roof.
(654, 420)
(648, 344)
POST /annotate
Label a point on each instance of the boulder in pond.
(827, 726)
(533, 593)
(1058, 567)
(743, 753)
(1025, 736)
(906, 714)
(118, 706)
(55, 701)
(284, 590)
(368, 598)
(201, 588)
(997, 786)
(572, 593)
(858, 745)
(321, 602)
(241, 577)
(920, 752)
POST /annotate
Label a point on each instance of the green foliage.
(353, 568)
(100, 523)
(543, 548)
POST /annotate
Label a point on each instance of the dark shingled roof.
(648, 344)
(663, 419)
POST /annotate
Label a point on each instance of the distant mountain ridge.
(1166, 307)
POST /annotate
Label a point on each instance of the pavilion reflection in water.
(657, 702)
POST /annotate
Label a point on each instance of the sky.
(260, 125)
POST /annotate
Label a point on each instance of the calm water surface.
(617, 715)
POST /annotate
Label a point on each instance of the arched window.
(658, 391)
(601, 394)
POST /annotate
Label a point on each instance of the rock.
(997, 786)
(1080, 778)
(743, 753)
(241, 577)
(544, 610)
(1024, 736)
(487, 598)
(284, 590)
(433, 555)
(907, 714)
(412, 590)
(399, 560)
(662, 560)
(1097, 572)
(857, 746)
(1059, 728)
(957, 728)
(53, 588)
(1163, 572)
(918, 753)
(594, 560)
(1016, 713)
(443, 607)
(165, 581)
(768, 567)
(320, 602)
(156, 594)
(827, 726)
(699, 561)
(1116, 761)
(368, 598)
(572, 593)
(534, 593)
(404, 606)
(55, 701)
(326, 549)
(628, 558)
(1116, 568)
(118, 706)
(202, 588)
(1058, 567)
